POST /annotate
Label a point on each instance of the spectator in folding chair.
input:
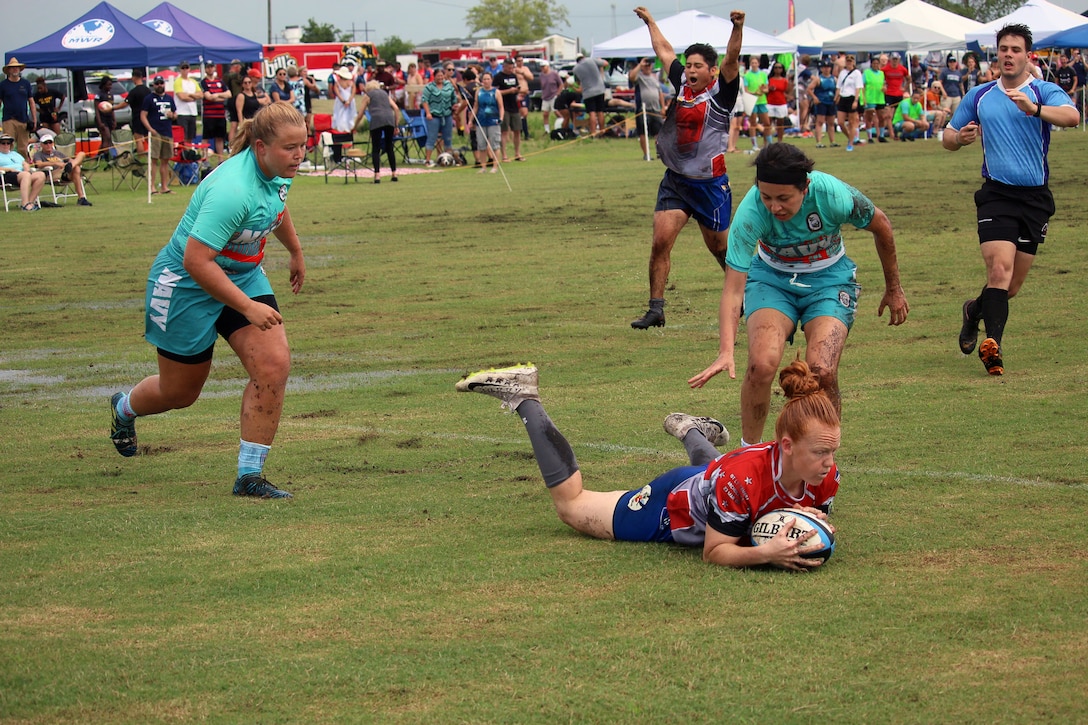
(157, 114)
(383, 125)
(17, 171)
(56, 163)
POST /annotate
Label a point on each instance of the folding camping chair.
(187, 159)
(55, 177)
(124, 160)
(413, 131)
(13, 189)
(340, 152)
(322, 123)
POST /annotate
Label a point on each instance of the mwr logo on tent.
(161, 26)
(88, 34)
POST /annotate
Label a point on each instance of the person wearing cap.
(208, 282)
(821, 89)
(508, 86)
(233, 81)
(493, 66)
(897, 78)
(20, 114)
(850, 85)
(787, 267)
(692, 145)
(157, 114)
(17, 171)
(216, 97)
(186, 94)
(951, 78)
(550, 85)
(1014, 205)
(55, 162)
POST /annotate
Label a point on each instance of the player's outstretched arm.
(728, 324)
(662, 47)
(730, 67)
(894, 299)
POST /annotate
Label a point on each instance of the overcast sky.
(591, 21)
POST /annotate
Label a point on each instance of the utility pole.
(270, 22)
(851, 12)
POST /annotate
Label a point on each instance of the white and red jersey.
(695, 135)
(735, 490)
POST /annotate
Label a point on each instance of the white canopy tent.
(808, 35)
(918, 14)
(690, 26)
(893, 34)
(1044, 18)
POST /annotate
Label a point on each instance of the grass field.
(420, 573)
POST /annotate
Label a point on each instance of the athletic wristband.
(1038, 110)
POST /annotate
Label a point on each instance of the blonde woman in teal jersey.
(208, 281)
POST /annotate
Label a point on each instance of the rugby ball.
(105, 106)
(821, 546)
(446, 159)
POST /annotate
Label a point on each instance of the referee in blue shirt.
(1014, 204)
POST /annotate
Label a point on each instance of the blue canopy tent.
(105, 37)
(1076, 37)
(218, 45)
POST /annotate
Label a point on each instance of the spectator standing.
(186, 93)
(951, 79)
(311, 91)
(1015, 204)
(20, 115)
(649, 102)
(588, 71)
(971, 74)
(778, 98)
(216, 96)
(1064, 76)
(384, 113)
(509, 86)
(63, 168)
(343, 109)
(47, 103)
(487, 109)
(550, 85)
(692, 146)
(873, 93)
(439, 98)
(298, 89)
(413, 87)
(822, 92)
(897, 78)
(849, 87)
(136, 96)
(233, 81)
(493, 66)
(157, 114)
(525, 77)
(106, 121)
(755, 85)
(805, 73)
(920, 76)
(389, 81)
(17, 171)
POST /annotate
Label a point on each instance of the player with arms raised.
(692, 145)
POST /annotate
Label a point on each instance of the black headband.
(773, 175)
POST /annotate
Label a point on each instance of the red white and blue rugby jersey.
(735, 490)
(695, 134)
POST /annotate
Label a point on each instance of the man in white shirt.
(186, 92)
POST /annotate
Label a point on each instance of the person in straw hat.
(20, 115)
